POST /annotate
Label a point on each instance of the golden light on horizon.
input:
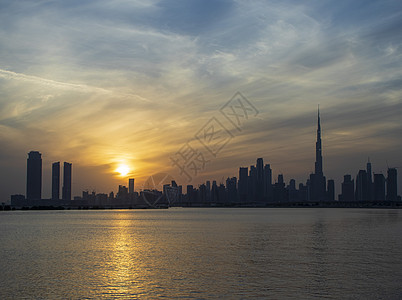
(123, 170)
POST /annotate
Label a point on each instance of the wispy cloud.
(51, 83)
(98, 82)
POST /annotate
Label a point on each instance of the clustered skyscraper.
(364, 188)
(254, 186)
(34, 178)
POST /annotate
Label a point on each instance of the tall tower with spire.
(317, 179)
(318, 148)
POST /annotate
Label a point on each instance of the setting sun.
(123, 170)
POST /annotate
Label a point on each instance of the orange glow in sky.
(123, 170)
(120, 97)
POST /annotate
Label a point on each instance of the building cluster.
(129, 198)
(34, 183)
(125, 197)
(370, 187)
(254, 187)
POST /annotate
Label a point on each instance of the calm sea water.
(201, 253)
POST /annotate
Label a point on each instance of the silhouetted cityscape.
(254, 187)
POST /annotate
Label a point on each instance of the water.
(202, 253)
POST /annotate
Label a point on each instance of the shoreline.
(333, 204)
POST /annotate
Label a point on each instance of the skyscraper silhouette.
(317, 180)
(268, 183)
(252, 184)
(370, 187)
(56, 181)
(131, 185)
(260, 179)
(279, 189)
(34, 176)
(67, 181)
(318, 148)
(348, 186)
(379, 187)
(392, 185)
(243, 183)
(231, 189)
(331, 190)
(361, 186)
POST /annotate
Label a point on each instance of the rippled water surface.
(201, 253)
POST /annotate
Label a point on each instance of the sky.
(104, 84)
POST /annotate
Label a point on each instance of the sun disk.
(123, 170)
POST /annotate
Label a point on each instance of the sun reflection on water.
(124, 272)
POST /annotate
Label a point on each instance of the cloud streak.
(100, 82)
(51, 83)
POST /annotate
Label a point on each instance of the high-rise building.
(221, 194)
(392, 188)
(348, 187)
(292, 184)
(122, 194)
(56, 181)
(268, 182)
(202, 193)
(318, 148)
(34, 176)
(362, 186)
(242, 185)
(279, 190)
(67, 181)
(293, 193)
(379, 187)
(231, 189)
(260, 180)
(331, 190)
(368, 170)
(252, 184)
(370, 184)
(208, 190)
(318, 190)
(131, 185)
(303, 192)
(214, 192)
(190, 193)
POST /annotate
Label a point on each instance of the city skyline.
(318, 188)
(201, 149)
(254, 187)
(118, 88)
